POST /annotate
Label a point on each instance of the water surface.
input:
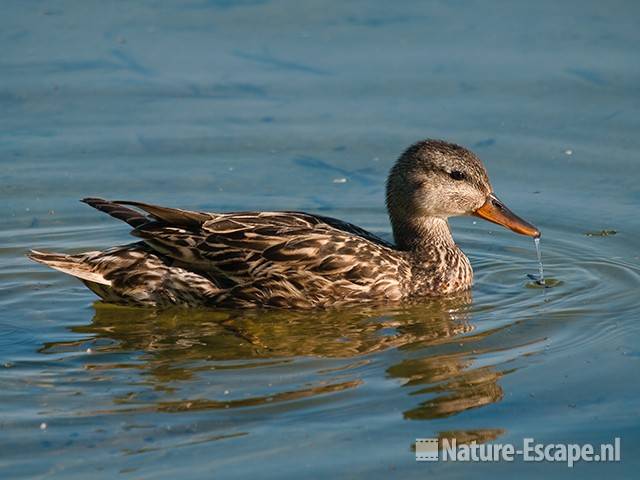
(285, 105)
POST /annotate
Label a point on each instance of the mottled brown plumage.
(294, 259)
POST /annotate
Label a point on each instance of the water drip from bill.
(539, 279)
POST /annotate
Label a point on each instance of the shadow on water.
(173, 348)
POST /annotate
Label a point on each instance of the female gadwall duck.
(295, 259)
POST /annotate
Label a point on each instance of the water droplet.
(540, 280)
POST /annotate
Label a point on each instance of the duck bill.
(495, 211)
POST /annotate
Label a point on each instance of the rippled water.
(285, 105)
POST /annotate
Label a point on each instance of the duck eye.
(457, 175)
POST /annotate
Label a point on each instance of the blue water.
(222, 105)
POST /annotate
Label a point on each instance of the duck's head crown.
(434, 178)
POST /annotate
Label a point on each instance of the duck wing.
(275, 257)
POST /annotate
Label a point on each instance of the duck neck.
(438, 265)
(422, 234)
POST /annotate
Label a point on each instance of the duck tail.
(116, 210)
(73, 265)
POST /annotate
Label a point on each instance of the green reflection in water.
(178, 347)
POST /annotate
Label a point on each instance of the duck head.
(434, 180)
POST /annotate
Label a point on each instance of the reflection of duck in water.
(293, 259)
(181, 348)
(258, 334)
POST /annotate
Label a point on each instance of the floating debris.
(536, 279)
(601, 233)
(568, 152)
(340, 180)
(43, 426)
(548, 282)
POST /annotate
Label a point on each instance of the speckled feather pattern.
(249, 259)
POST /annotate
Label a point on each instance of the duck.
(291, 259)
